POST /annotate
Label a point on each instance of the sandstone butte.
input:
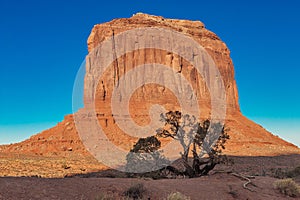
(247, 137)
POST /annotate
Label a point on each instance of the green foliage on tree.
(145, 156)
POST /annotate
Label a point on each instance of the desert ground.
(111, 184)
(56, 164)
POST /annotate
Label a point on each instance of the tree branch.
(247, 178)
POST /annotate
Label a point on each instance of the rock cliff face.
(195, 29)
(247, 138)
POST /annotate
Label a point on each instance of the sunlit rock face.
(147, 95)
(247, 137)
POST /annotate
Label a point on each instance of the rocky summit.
(62, 141)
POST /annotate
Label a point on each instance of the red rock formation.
(247, 138)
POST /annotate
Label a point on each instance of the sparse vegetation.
(135, 192)
(294, 172)
(285, 173)
(177, 196)
(288, 187)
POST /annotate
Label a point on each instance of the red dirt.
(219, 186)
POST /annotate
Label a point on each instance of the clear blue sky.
(43, 43)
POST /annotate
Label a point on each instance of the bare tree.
(179, 127)
(189, 132)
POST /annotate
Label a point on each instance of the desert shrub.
(288, 187)
(285, 173)
(177, 196)
(136, 191)
(278, 173)
(294, 173)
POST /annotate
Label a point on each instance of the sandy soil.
(219, 185)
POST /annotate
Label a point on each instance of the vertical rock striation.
(247, 138)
